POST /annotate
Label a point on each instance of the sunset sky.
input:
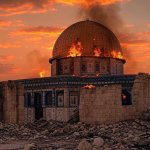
(29, 29)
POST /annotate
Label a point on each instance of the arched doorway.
(38, 106)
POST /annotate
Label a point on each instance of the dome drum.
(86, 66)
(85, 44)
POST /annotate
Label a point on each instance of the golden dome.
(87, 38)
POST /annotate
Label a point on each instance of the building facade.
(87, 80)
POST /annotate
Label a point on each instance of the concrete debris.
(52, 135)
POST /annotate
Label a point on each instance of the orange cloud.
(128, 26)
(135, 39)
(8, 68)
(19, 23)
(38, 62)
(4, 23)
(15, 7)
(137, 51)
(89, 2)
(40, 30)
(4, 58)
(136, 44)
(148, 24)
(9, 45)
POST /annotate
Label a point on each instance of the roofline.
(58, 58)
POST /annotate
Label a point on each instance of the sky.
(29, 29)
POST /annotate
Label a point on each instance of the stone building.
(87, 80)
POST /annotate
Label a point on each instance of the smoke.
(131, 66)
(108, 15)
(37, 63)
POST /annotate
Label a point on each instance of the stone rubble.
(52, 135)
(29, 146)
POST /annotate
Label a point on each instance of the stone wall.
(54, 68)
(100, 104)
(116, 67)
(104, 104)
(1, 102)
(53, 112)
(59, 114)
(29, 114)
(141, 93)
(13, 102)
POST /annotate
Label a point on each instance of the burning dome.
(87, 38)
(87, 48)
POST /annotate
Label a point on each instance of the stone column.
(21, 109)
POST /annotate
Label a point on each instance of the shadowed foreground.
(132, 134)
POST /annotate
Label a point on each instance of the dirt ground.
(41, 144)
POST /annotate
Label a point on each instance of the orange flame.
(89, 86)
(115, 54)
(43, 74)
(97, 52)
(124, 97)
(97, 74)
(75, 49)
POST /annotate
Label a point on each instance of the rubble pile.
(128, 135)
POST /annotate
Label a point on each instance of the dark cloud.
(108, 15)
(14, 7)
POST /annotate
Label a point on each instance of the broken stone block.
(84, 145)
(29, 146)
(98, 142)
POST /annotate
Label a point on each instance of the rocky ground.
(43, 135)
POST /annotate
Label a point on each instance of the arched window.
(49, 99)
(73, 98)
(60, 98)
(126, 98)
(27, 100)
(97, 67)
(60, 68)
(84, 68)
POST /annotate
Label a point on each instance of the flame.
(89, 86)
(75, 49)
(116, 55)
(97, 52)
(43, 74)
(97, 74)
(124, 97)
